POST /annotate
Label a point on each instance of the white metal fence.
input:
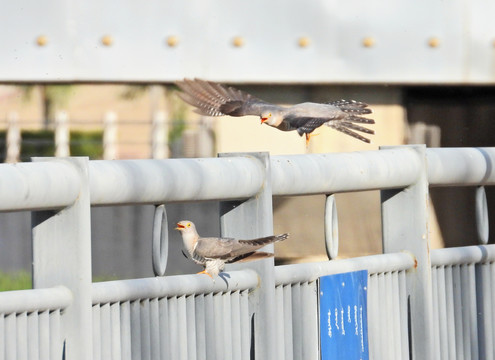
(419, 306)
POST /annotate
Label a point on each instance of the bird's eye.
(188, 224)
(270, 115)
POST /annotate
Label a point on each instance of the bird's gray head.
(189, 234)
(271, 117)
(186, 226)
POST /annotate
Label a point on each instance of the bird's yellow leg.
(205, 272)
(308, 137)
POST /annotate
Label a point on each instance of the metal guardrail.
(245, 184)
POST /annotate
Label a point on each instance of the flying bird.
(213, 253)
(213, 99)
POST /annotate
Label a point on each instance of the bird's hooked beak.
(263, 119)
(180, 227)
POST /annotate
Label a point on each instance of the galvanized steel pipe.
(463, 255)
(181, 285)
(19, 301)
(158, 181)
(298, 273)
(38, 185)
(329, 173)
(461, 166)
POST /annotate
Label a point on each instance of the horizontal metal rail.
(51, 185)
(156, 181)
(463, 255)
(181, 285)
(330, 173)
(20, 301)
(298, 273)
(461, 166)
(36, 186)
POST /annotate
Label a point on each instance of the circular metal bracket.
(159, 248)
(331, 227)
(482, 225)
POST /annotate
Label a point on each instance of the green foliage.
(19, 280)
(41, 143)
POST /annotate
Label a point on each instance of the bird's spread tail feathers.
(347, 125)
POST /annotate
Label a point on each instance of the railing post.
(62, 256)
(249, 219)
(405, 228)
(62, 134)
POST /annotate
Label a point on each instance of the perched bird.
(213, 253)
(213, 99)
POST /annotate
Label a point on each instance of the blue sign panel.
(343, 316)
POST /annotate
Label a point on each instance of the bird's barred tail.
(348, 125)
(265, 240)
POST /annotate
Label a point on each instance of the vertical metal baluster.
(55, 335)
(297, 322)
(436, 314)
(33, 335)
(383, 336)
(125, 330)
(450, 319)
(174, 328)
(484, 310)
(105, 331)
(309, 312)
(235, 324)
(96, 332)
(227, 325)
(395, 309)
(165, 335)
(21, 336)
(210, 336)
(218, 323)
(2, 337)
(144, 315)
(331, 227)
(200, 327)
(136, 329)
(279, 300)
(44, 335)
(10, 334)
(115, 325)
(245, 326)
(373, 318)
(155, 335)
(470, 312)
(442, 313)
(191, 327)
(289, 321)
(182, 327)
(458, 312)
(404, 318)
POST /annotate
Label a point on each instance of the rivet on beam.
(172, 41)
(107, 40)
(433, 42)
(238, 41)
(304, 41)
(368, 42)
(42, 40)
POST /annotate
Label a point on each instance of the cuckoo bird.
(213, 252)
(213, 99)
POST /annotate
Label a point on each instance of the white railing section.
(30, 323)
(272, 308)
(176, 317)
(297, 310)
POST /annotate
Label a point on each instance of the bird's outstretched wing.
(212, 99)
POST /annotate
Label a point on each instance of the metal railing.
(259, 311)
